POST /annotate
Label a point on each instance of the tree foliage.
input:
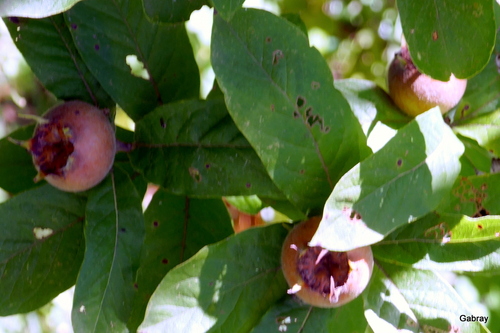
(276, 127)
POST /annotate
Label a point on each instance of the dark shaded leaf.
(41, 247)
(171, 11)
(49, 49)
(140, 64)
(192, 147)
(176, 228)
(114, 232)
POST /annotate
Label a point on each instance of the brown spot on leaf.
(277, 56)
(435, 35)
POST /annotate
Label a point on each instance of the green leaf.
(385, 314)
(443, 36)
(435, 304)
(140, 64)
(34, 8)
(227, 8)
(226, 287)
(171, 11)
(290, 315)
(114, 232)
(41, 248)
(484, 129)
(16, 166)
(403, 181)
(176, 228)
(247, 204)
(48, 47)
(192, 147)
(475, 159)
(283, 101)
(481, 95)
(450, 242)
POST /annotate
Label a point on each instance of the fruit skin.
(75, 148)
(359, 269)
(415, 93)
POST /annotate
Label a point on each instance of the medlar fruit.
(320, 277)
(73, 146)
(415, 93)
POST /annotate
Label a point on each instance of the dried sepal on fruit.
(73, 146)
(415, 93)
(320, 277)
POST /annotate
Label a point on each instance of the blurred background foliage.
(358, 38)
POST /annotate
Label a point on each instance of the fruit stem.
(39, 120)
(26, 144)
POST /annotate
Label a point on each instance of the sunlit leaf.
(225, 286)
(403, 181)
(34, 8)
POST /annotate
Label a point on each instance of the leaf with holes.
(48, 47)
(140, 64)
(448, 36)
(114, 232)
(442, 241)
(403, 181)
(290, 315)
(171, 11)
(474, 196)
(34, 8)
(280, 93)
(192, 147)
(225, 287)
(418, 294)
(176, 228)
(42, 247)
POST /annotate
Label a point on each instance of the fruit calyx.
(323, 271)
(51, 148)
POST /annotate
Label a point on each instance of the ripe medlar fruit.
(73, 146)
(320, 277)
(415, 93)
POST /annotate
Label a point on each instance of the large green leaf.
(176, 228)
(424, 296)
(114, 232)
(16, 166)
(41, 247)
(140, 64)
(34, 8)
(192, 147)
(280, 94)
(291, 315)
(171, 11)
(445, 242)
(448, 36)
(48, 47)
(403, 181)
(226, 287)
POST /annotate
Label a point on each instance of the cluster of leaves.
(275, 125)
